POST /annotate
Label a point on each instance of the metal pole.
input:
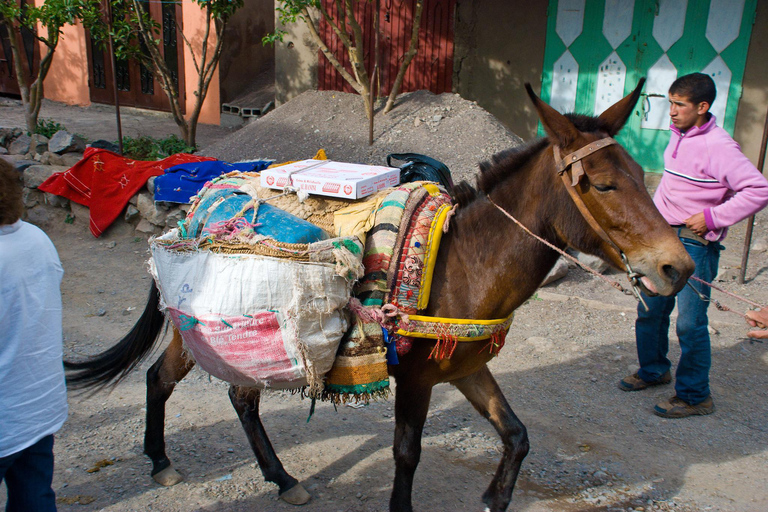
(114, 78)
(751, 220)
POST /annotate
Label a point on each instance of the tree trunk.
(21, 76)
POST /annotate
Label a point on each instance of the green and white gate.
(597, 50)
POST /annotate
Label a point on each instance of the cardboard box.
(333, 179)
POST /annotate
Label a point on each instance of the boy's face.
(685, 114)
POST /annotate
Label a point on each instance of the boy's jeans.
(652, 329)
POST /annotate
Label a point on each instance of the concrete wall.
(244, 57)
(194, 30)
(67, 79)
(295, 62)
(750, 120)
(491, 65)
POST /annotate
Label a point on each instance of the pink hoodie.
(705, 171)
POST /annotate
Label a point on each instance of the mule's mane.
(502, 164)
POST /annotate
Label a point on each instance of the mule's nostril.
(671, 272)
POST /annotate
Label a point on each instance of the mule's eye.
(603, 188)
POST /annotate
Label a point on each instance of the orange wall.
(67, 79)
(194, 29)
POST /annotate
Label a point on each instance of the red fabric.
(105, 181)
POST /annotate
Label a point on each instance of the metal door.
(598, 49)
(431, 69)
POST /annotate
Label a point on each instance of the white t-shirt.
(33, 394)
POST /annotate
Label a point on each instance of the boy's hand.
(698, 224)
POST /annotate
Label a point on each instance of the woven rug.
(395, 255)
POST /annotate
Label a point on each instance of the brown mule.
(486, 268)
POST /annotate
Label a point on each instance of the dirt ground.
(593, 447)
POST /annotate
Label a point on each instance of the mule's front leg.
(162, 378)
(484, 394)
(411, 406)
(246, 403)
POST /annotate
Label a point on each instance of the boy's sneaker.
(678, 408)
(635, 383)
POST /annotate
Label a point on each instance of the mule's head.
(613, 191)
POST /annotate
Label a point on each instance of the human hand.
(758, 319)
(697, 223)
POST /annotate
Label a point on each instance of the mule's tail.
(113, 365)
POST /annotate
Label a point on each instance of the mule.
(487, 267)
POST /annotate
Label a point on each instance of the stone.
(144, 226)
(3, 151)
(54, 200)
(38, 144)
(71, 159)
(20, 146)
(134, 200)
(559, 271)
(149, 211)
(65, 142)
(151, 185)
(6, 135)
(39, 216)
(49, 158)
(31, 197)
(35, 175)
(173, 218)
(592, 262)
(22, 164)
(105, 144)
(83, 213)
(131, 213)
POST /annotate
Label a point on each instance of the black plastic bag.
(422, 168)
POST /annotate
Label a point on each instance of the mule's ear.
(560, 130)
(618, 113)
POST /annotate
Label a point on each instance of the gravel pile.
(445, 127)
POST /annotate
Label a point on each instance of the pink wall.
(194, 29)
(67, 79)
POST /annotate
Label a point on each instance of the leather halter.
(573, 160)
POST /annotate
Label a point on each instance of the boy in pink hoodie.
(707, 186)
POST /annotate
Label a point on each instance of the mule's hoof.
(296, 495)
(168, 477)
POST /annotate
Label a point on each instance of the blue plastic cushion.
(275, 223)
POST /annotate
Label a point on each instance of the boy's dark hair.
(11, 205)
(697, 87)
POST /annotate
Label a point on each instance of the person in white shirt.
(33, 395)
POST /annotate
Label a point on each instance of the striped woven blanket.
(396, 259)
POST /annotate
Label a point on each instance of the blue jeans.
(28, 475)
(652, 329)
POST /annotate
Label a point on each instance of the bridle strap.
(573, 160)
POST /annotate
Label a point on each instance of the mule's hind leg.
(484, 394)
(162, 377)
(411, 407)
(246, 403)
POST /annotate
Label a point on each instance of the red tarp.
(105, 181)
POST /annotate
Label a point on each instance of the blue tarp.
(181, 182)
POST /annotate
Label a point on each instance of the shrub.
(150, 148)
(48, 127)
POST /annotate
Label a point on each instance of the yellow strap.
(433, 245)
(432, 189)
(460, 321)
